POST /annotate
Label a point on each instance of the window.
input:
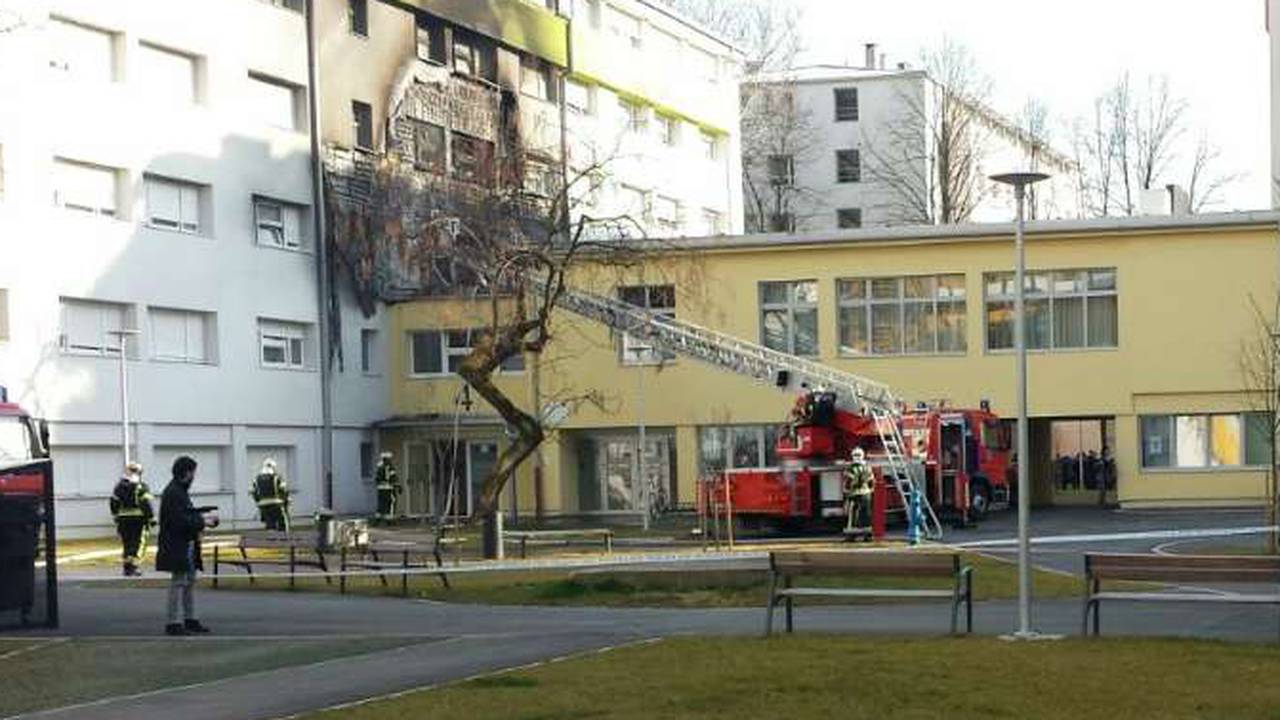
(279, 224)
(1206, 441)
(441, 352)
(86, 188)
(283, 344)
(181, 335)
(846, 104)
(669, 130)
(168, 75)
(789, 316)
(634, 202)
(430, 40)
(713, 221)
(368, 351)
(635, 115)
(358, 17)
(173, 204)
(710, 145)
(540, 180)
(625, 27)
(81, 52)
(273, 102)
(782, 170)
(362, 121)
(428, 147)
(474, 56)
(537, 79)
(209, 473)
(782, 222)
(666, 213)
(902, 315)
(472, 159)
(367, 465)
(738, 446)
(295, 5)
(87, 326)
(848, 166)
(849, 218)
(579, 97)
(660, 300)
(1065, 309)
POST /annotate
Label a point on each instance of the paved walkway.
(458, 641)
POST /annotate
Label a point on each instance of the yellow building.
(1137, 328)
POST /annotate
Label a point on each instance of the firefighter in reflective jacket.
(131, 509)
(388, 485)
(858, 484)
(271, 493)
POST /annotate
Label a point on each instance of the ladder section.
(726, 352)
(899, 472)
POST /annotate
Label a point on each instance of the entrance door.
(618, 472)
(1083, 469)
(417, 479)
(952, 459)
(481, 459)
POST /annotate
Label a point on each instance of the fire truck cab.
(966, 457)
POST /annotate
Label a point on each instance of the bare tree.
(1205, 182)
(1033, 120)
(929, 158)
(1136, 141)
(1260, 368)
(767, 31)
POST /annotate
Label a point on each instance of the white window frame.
(792, 307)
(59, 62)
(204, 339)
(635, 351)
(290, 338)
(190, 201)
(664, 221)
(145, 48)
(588, 95)
(669, 130)
(711, 145)
(714, 220)
(298, 241)
(369, 355)
(107, 345)
(258, 79)
(61, 165)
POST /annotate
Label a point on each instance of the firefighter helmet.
(385, 456)
(133, 468)
(268, 465)
(858, 454)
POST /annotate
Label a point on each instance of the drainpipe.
(322, 258)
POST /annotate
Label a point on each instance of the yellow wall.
(1183, 314)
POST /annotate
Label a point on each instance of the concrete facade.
(140, 113)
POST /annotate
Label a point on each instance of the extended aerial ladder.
(854, 393)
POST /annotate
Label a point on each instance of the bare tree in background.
(767, 31)
(1259, 367)
(1033, 119)
(1137, 141)
(929, 158)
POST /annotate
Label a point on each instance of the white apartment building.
(652, 119)
(157, 177)
(1273, 28)
(844, 147)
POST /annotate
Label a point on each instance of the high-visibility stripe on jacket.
(858, 479)
(130, 500)
(270, 489)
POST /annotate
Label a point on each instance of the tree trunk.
(489, 535)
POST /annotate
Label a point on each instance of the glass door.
(1083, 461)
(417, 480)
(482, 457)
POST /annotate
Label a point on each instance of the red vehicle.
(22, 439)
(959, 457)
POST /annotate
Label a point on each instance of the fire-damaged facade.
(471, 128)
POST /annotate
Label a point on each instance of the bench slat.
(1189, 597)
(1102, 561)
(863, 592)
(874, 562)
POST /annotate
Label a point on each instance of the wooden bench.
(290, 543)
(377, 556)
(1177, 570)
(556, 537)
(784, 567)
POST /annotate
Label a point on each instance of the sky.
(1215, 54)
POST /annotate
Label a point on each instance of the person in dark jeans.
(179, 548)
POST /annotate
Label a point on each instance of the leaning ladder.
(900, 474)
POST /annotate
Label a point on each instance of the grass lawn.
(56, 673)
(825, 678)
(993, 579)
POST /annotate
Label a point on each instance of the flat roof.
(833, 73)
(972, 231)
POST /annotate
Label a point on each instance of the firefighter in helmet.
(387, 483)
(131, 509)
(271, 493)
(858, 484)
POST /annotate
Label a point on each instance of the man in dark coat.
(179, 547)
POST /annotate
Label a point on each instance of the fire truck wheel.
(979, 499)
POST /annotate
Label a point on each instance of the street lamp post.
(1020, 181)
(122, 336)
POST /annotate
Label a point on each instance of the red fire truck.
(959, 458)
(26, 518)
(22, 440)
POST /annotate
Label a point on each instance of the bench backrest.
(1183, 568)
(863, 562)
(277, 541)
